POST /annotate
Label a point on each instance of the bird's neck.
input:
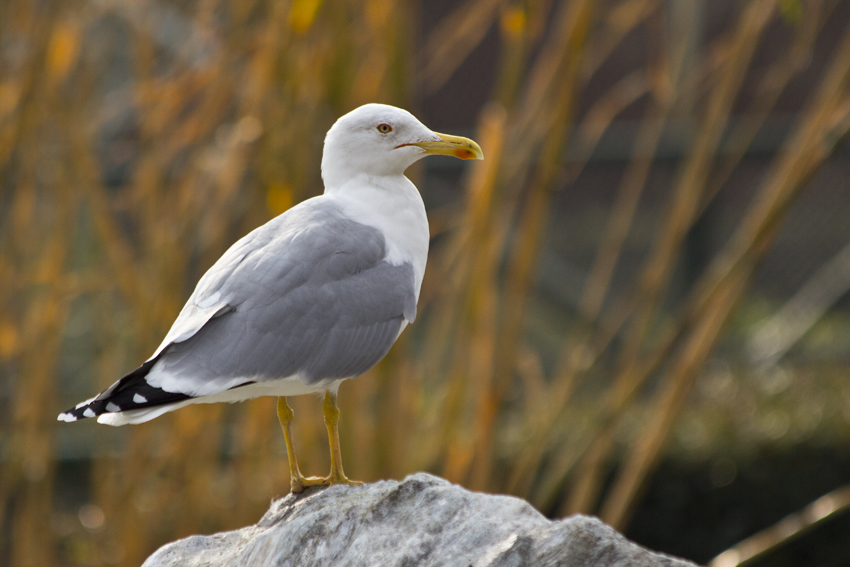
(392, 204)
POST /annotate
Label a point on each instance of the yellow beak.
(456, 146)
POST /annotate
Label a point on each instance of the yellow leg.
(297, 482)
(337, 475)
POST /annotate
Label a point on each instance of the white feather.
(192, 317)
(288, 387)
(392, 205)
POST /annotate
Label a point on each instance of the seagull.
(312, 298)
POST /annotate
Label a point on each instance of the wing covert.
(316, 300)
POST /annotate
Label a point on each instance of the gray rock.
(423, 520)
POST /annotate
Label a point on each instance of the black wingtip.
(131, 392)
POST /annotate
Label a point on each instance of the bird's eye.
(385, 128)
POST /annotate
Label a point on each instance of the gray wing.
(309, 293)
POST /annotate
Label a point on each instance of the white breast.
(391, 204)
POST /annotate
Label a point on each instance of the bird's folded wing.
(309, 294)
(207, 301)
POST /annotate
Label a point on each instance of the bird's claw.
(342, 479)
(298, 485)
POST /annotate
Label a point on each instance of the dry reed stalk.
(465, 252)
(577, 350)
(483, 305)
(586, 488)
(32, 441)
(598, 455)
(622, 214)
(685, 198)
(596, 288)
(602, 114)
(790, 527)
(669, 403)
(618, 20)
(522, 256)
(596, 121)
(823, 125)
(33, 444)
(691, 179)
(35, 249)
(515, 35)
(455, 265)
(480, 244)
(473, 264)
(771, 86)
(454, 38)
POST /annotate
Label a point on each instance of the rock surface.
(420, 521)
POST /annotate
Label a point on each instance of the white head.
(379, 140)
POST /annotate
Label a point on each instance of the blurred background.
(635, 307)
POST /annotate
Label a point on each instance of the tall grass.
(138, 140)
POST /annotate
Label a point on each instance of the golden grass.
(228, 118)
